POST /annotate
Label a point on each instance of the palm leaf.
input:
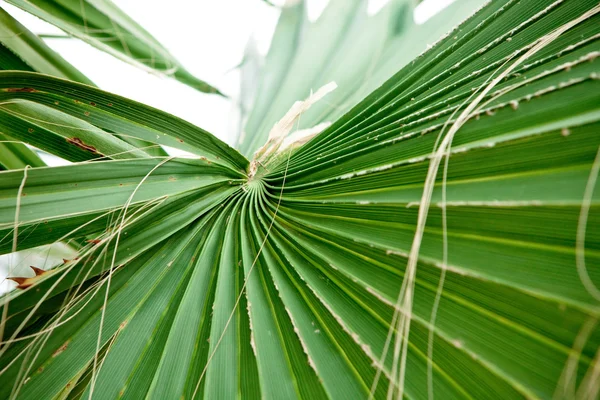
(20, 49)
(346, 45)
(15, 155)
(103, 25)
(440, 238)
(36, 94)
(23, 50)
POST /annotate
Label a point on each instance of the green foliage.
(440, 239)
(104, 26)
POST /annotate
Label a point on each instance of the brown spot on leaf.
(180, 140)
(21, 90)
(92, 104)
(110, 104)
(79, 143)
(94, 241)
(61, 349)
(87, 113)
(30, 130)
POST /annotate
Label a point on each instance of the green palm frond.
(103, 25)
(346, 45)
(15, 155)
(99, 117)
(441, 239)
(20, 49)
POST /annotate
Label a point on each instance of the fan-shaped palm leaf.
(440, 239)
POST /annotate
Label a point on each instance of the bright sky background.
(207, 36)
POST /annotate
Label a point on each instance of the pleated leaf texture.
(440, 239)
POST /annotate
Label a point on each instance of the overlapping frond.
(103, 25)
